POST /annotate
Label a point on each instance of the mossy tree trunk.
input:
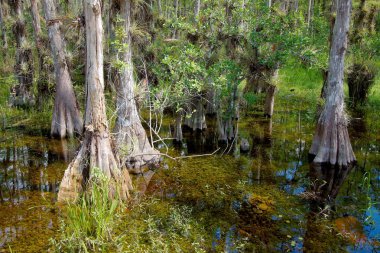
(131, 138)
(197, 8)
(96, 149)
(66, 116)
(2, 27)
(331, 143)
(24, 72)
(43, 65)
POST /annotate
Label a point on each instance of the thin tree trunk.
(2, 27)
(96, 150)
(197, 8)
(23, 96)
(178, 136)
(310, 11)
(331, 143)
(43, 67)
(66, 116)
(269, 101)
(176, 9)
(159, 8)
(130, 134)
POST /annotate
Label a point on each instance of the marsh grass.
(97, 223)
(88, 225)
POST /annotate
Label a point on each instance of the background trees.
(187, 59)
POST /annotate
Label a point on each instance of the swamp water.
(266, 200)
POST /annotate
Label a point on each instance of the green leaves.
(181, 72)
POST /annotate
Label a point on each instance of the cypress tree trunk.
(23, 68)
(131, 137)
(269, 101)
(197, 8)
(331, 143)
(66, 117)
(178, 136)
(96, 150)
(310, 11)
(2, 27)
(43, 67)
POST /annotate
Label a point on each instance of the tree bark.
(96, 150)
(331, 143)
(2, 27)
(197, 8)
(66, 116)
(23, 68)
(159, 8)
(269, 101)
(43, 67)
(310, 11)
(131, 137)
(178, 136)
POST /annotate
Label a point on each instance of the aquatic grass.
(98, 223)
(162, 226)
(370, 203)
(88, 225)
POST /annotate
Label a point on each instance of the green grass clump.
(98, 223)
(88, 225)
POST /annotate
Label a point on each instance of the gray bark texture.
(96, 150)
(66, 116)
(197, 8)
(331, 143)
(131, 138)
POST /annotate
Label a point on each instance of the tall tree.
(331, 143)
(66, 117)
(96, 150)
(131, 137)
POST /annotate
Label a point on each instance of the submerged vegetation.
(198, 126)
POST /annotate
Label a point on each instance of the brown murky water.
(269, 195)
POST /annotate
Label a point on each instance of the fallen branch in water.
(179, 157)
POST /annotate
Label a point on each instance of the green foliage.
(225, 78)
(181, 73)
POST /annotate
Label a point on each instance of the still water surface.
(270, 195)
